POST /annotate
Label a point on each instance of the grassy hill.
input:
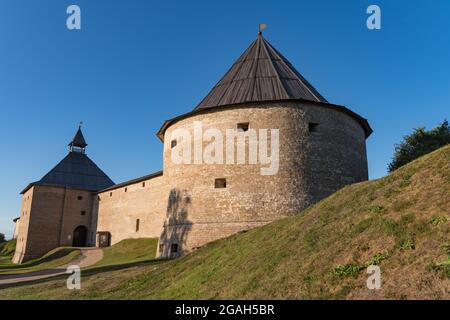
(55, 258)
(400, 222)
(7, 248)
(128, 251)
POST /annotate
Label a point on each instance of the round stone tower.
(297, 149)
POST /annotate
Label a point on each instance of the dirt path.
(88, 257)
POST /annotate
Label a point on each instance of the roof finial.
(262, 26)
(78, 144)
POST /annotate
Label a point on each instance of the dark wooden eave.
(133, 181)
(362, 121)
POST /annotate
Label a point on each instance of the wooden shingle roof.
(260, 74)
(76, 170)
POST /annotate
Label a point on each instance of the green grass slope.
(54, 258)
(400, 222)
(7, 249)
(130, 251)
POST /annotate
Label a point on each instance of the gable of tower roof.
(78, 140)
(261, 73)
(76, 171)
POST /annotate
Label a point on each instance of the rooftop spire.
(78, 143)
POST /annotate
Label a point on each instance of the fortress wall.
(183, 207)
(46, 209)
(77, 212)
(16, 229)
(191, 236)
(22, 227)
(119, 210)
(43, 223)
(336, 154)
(312, 166)
(92, 239)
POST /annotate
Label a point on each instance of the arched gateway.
(79, 236)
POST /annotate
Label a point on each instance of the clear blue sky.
(136, 63)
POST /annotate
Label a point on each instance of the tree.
(2, 237)
(418, 143)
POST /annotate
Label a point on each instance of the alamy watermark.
(374, 280)
(263, 147)
(73, 21)
(373, 22)
(74, 280)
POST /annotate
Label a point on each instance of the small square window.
(126, 189)
(174, 247)
(80, 197)
(173, 143)
(312, 127)
(143, 184)
(241, 127)
(137, 224)
(220, 183)
(110, 194)
(83, 213)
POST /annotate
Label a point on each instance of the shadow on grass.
(60, 253)
(90, 271)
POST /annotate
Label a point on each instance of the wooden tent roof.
(260, 74)
(76, 171)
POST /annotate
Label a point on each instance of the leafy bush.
(2, 237)
(418, 143)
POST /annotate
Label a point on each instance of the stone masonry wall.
(77, 211)
(16, 229)
(22, 232)
(42, 223)
(50, 215)
(120, 208)
(312, 166)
